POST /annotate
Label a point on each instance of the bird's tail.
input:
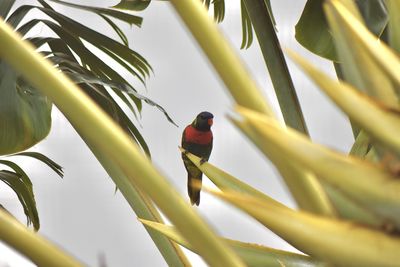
(194, 188)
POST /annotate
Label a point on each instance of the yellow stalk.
(32, 245)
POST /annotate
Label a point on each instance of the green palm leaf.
(312, 29)
(25, 114)
(24, 193)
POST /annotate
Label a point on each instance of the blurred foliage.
(349, 204)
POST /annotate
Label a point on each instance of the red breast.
(192, 135)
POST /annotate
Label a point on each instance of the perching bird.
(197, 139)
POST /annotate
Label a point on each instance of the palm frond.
(17, 183)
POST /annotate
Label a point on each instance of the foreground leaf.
(305, 189)
(357, 66)
(252, 254)
(379, 52)
(366, 183)
(381, 122)
(338, 242)
(32, 245)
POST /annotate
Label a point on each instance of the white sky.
(81, 211)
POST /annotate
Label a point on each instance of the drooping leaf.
(104, 43)
(219, 10)
(46, 160)
(97, 66)
(25, 114)
(135, 5)
(5, 7)
(321, 237)
(81, 78)
(253, 255)
(19, 171)
(24, 194)
(313, 33)
(247, 27)
(120, 33)
(102, 97)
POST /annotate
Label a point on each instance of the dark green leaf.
(207, 3)
(136, 5)
(120, 33)
(26, 198)
(219, 10)
(312, 30)
(5, 7)
(97, 66)
(313, 33)
(18, 170)
(15, 18)
(25, 114)
(247, 28)
(276, 64)
(375, 14)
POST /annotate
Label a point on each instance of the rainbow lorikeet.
(197, 139)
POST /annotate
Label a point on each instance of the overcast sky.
(81, 212)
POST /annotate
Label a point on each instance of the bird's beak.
(210, 122)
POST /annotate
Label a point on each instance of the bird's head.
(203, 121)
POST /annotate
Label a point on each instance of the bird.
(197, 138)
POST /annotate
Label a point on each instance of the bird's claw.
(202, 160)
